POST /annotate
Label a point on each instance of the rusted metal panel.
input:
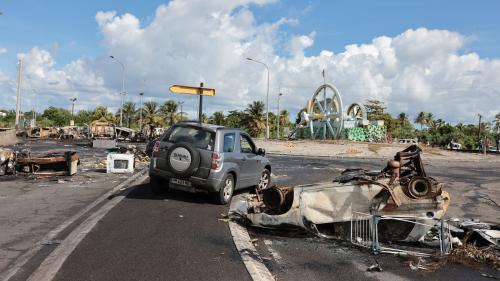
(49, 164)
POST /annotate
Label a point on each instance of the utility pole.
(123, 88)
(140, 113)
(182, 113)
(19, 85)
(200, 105)
(278, 116)
(267, 95)
(479, 127)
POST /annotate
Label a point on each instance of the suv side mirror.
(261, 151)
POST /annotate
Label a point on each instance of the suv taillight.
(216, 161)
(156, 148)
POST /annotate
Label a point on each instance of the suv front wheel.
(226, 190)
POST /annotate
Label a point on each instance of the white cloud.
(191, 41)
(3, 50)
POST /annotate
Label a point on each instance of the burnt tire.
(226, 190)
(158, 185)
(183, 159)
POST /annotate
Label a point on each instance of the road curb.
(340, 157)
(24, 258)
(249, 255)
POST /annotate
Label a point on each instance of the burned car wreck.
(401, 191)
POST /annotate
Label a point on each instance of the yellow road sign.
(189, 90)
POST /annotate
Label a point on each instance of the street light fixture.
(267, 96)
(123, 88)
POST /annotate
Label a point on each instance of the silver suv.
(195, 157)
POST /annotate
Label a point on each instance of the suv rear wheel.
(226, 190)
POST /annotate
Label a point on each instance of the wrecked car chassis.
(401, 191)
(50, 164)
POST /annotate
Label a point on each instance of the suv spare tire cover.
(182, 159)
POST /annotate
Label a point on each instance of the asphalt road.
(179, 237)
(300, 256)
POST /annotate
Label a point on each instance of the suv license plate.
(180, 182)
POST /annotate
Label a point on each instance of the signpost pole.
(200, 108)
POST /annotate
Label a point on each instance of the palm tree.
(402, 118)
(129, 111)
(438, 123)
(421, 119)
(496, 122)
(217, 118)
(101, 113)
(151, 117)
(254, 117)
(429, 119)
(284, 115)
(169, 111)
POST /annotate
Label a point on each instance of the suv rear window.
(197, 137)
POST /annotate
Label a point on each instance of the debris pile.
(50, 163)
(398, 203)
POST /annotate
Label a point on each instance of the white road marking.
(51, 265)
(24, 258)
(249, 255)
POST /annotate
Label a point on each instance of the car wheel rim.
(264, 181)
(228, 189)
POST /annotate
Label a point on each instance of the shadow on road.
(143, 191)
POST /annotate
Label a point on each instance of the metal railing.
(365, 233)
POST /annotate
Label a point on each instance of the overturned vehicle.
(399, 203)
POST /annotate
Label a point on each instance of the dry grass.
(352, 151)
(431, 150)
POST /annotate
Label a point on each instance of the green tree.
(129, 112)
(254, 118)
(151, 118)
(234, 119)
(169, 111)
(429, 120)
(496, 123)
(102, 113)
(83, 117)
(57, 116)
(217, 118)
(421, 119)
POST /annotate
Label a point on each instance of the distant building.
(3, 114)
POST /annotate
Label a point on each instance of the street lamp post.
(19, 85)
(72, 111)
(140, 113)
(267, 96)
(278, 119)
(123, 88)
(182, 114)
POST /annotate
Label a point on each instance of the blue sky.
(68, 28)
(462, 36)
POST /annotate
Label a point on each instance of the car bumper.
(198, 184)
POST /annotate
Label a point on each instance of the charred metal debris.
(50, 163)
(389, 211)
